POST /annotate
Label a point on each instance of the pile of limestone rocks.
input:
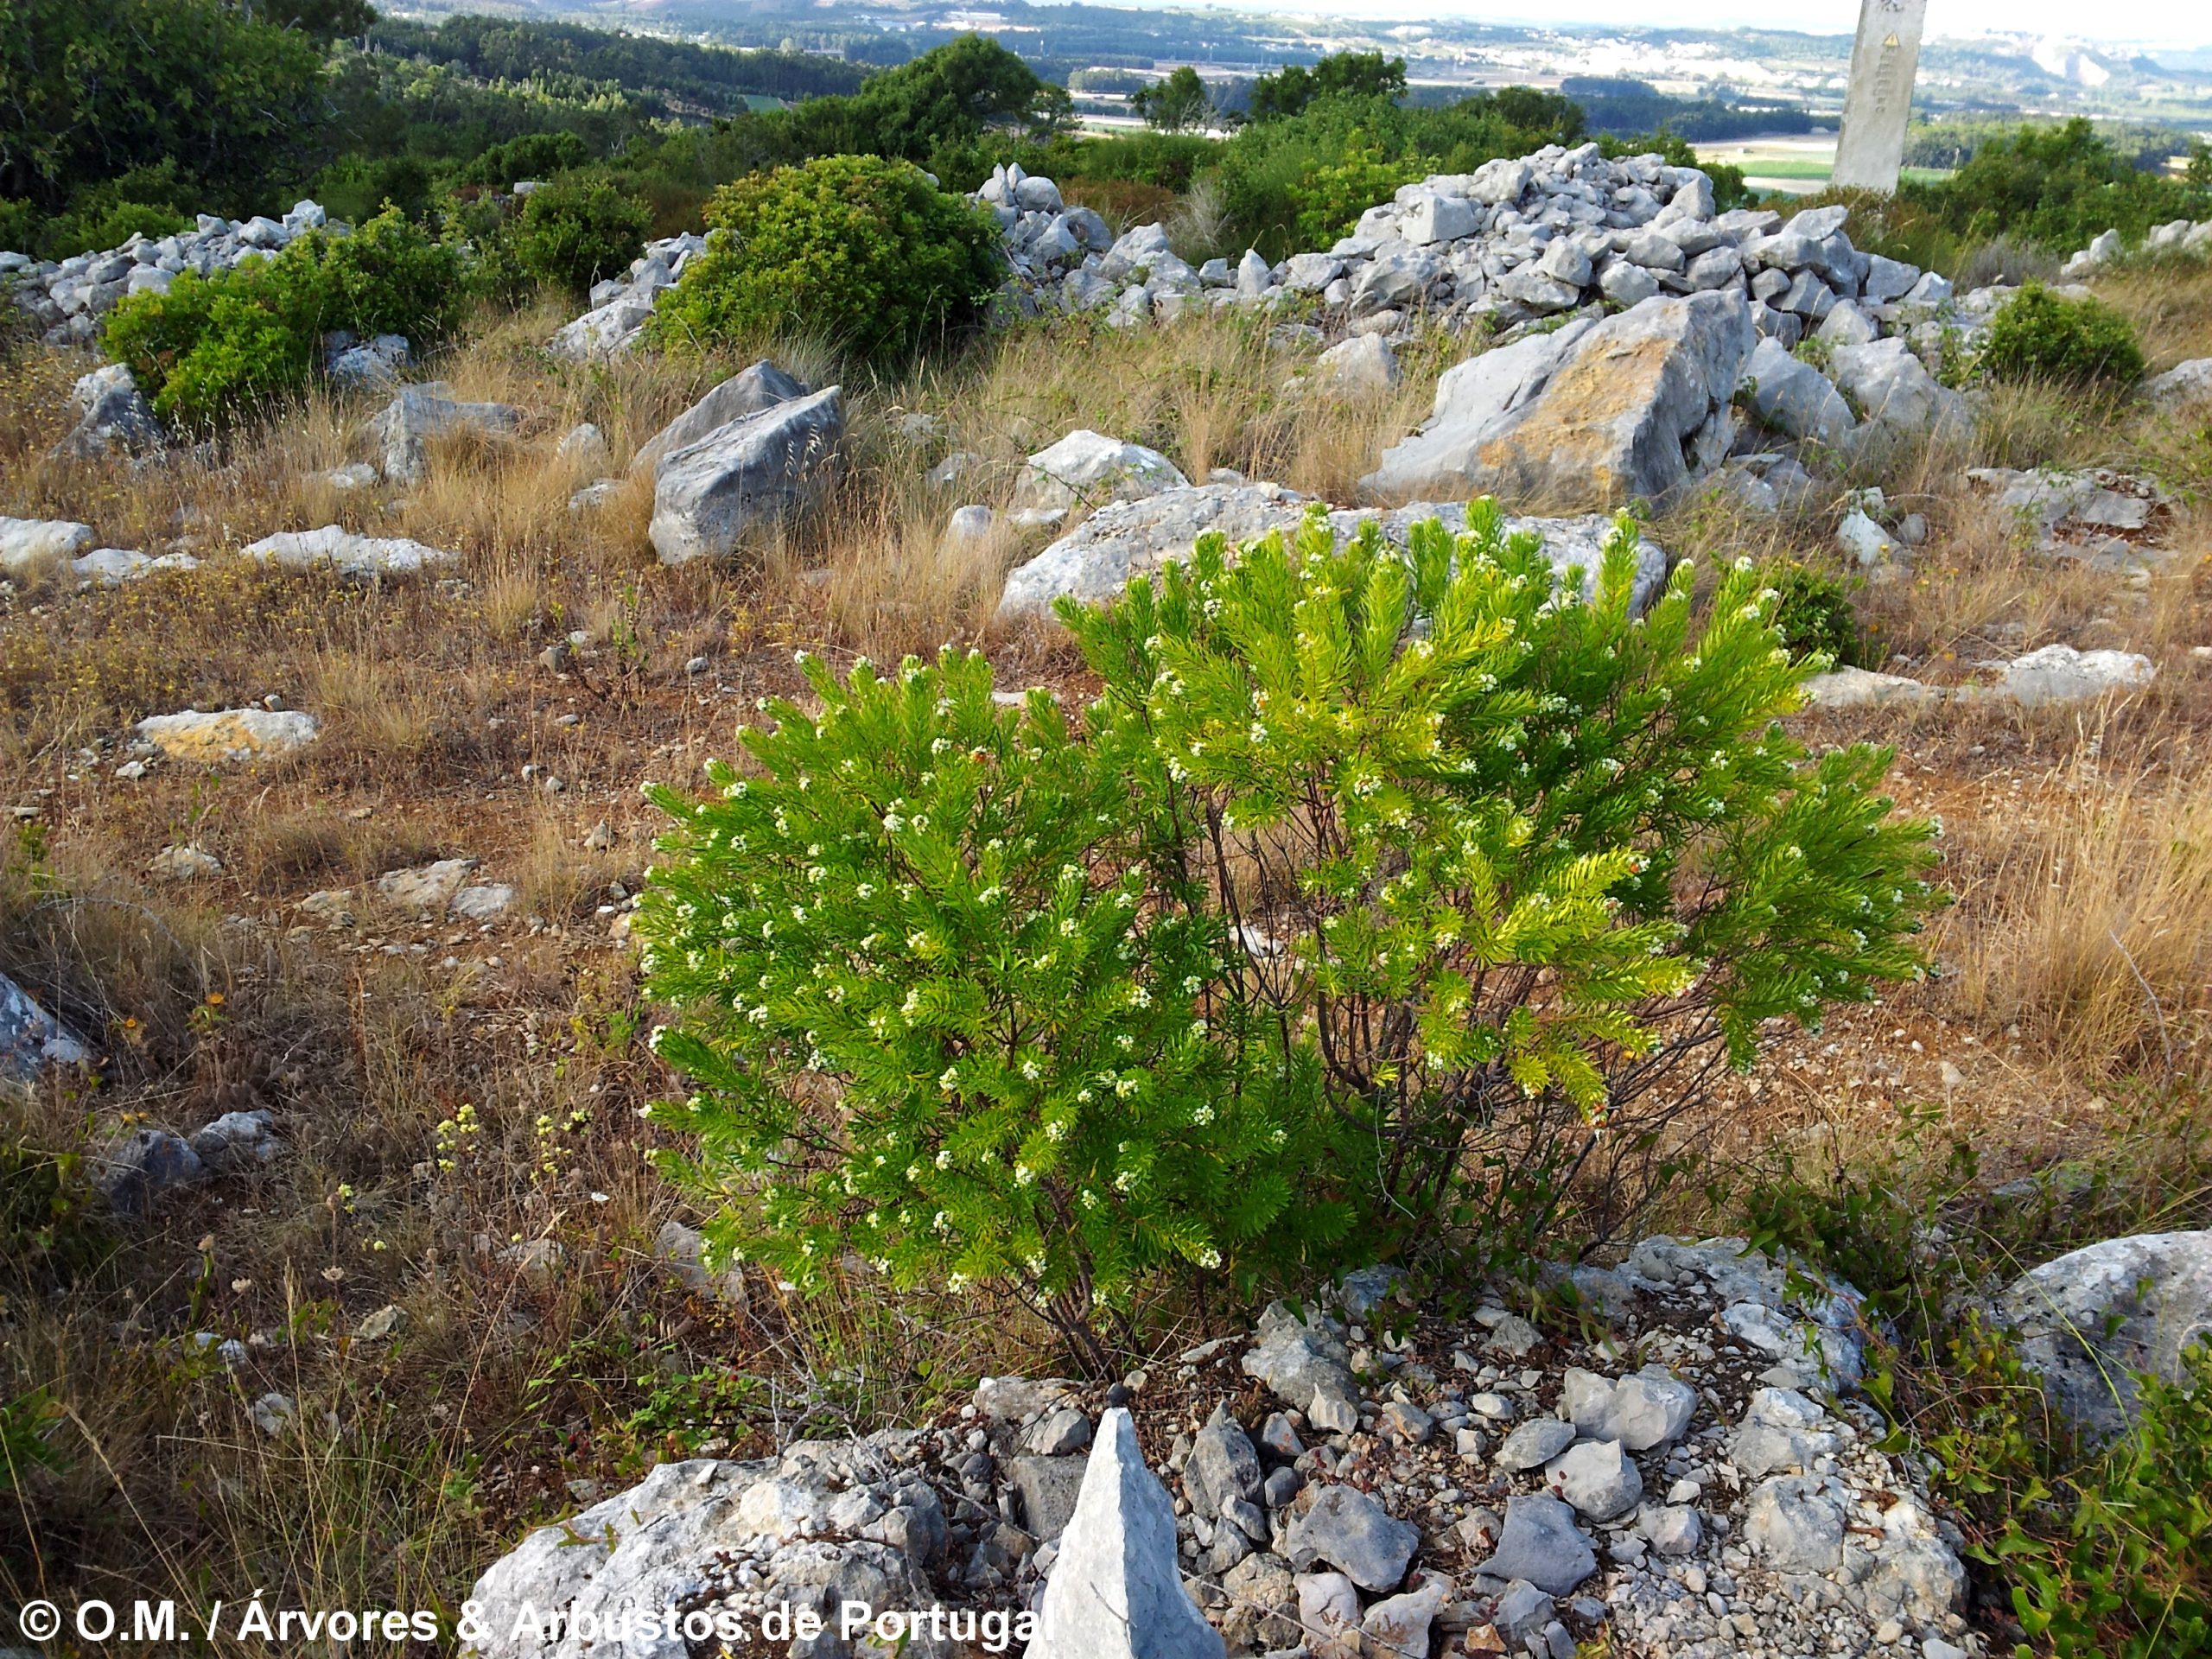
(67, 298)
(622, 307)
(1515, 241)
(2192, 238)
(1379, 1478)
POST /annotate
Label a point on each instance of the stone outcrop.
(336, 548)
(1362, 1494)
(2095, 514)
(428, 411)
(743, 476)
(113, 417)
(2093, 1319)
(1095, 561)
(28, 544)
(2184, 387)
(31, 1039)
(225, 735)
(2183, 237)
(1592, 416)
(762, 386)
(1089, 469)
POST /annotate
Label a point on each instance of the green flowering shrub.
(935, 1015)
(1418, 888)
(214, 349)
(1814, 614)
(2039, 335)
(858, 251)
(1521, 866)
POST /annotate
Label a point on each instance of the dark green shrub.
(577, 231)
(858, 251)
(533, 155)
(2037, 335)
(389, 277)
(1814, 614)
(214, 349)
(968, 991)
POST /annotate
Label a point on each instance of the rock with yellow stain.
(1587, 418)
(229, 734)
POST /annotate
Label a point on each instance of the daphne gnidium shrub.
(1416, 888)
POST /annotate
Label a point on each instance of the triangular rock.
(1115, 1591)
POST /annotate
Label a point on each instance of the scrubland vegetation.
(481, 1126)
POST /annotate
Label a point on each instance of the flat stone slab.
(1122, 540)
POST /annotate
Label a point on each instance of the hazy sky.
(2172, 23)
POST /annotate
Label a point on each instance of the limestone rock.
(1352, 1532)
(682, 1250)
(28, 544)
(1590, 417)
(749, 473)
(1647, 1410)
(1223, 1465)
(2061, 674)
(183, 863)
(113, 417)
(334, 548)
(1597, 1478)
(428, 411)
(1893, 391)
(31, 1039)
(237, 1141)
(584, 447)
(1795, 398)
(148, 1163)
(110, 567)
(1534, 1443)
(1047, 1488)
(426, 889)
(1306, 1362)
(2184, 387)
(1096, 561)
(747, 392)
(1540, 1545)
(229, 734)
(1860, 688)
(1362, 367)
(1115, 1591)
(1795, 1524)
(2092, 1318)
(1087, 468)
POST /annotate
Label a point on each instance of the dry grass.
(2088, 924)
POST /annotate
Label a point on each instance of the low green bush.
(2039, 336)
(860, 251)
(975, 993)
(214, 349)
(1814, 614)
(928, 1007)
(577, 231)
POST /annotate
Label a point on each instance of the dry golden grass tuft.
(2088, 924)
